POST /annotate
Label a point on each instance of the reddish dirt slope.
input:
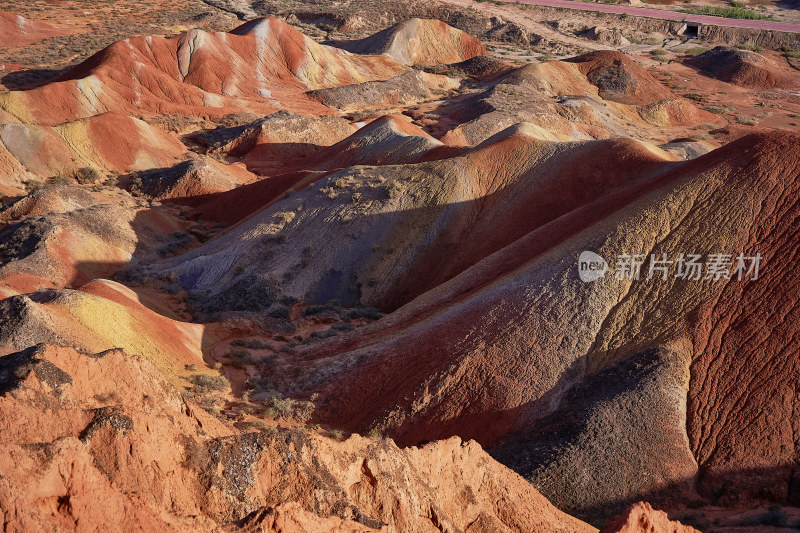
(17, 31)
(109, 142)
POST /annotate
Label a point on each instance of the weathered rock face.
(116, 432)
(612, 37)
(631, 414)
(66, 236)
(641, 518)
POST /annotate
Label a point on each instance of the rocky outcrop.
(642, 518)
(116, 432)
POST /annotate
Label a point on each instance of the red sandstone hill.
(262, 66)
(747, 69)
(419, 42)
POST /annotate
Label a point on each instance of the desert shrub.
(375, 434)
(110, 397)
(59, 180)
(253, 424)
(33, 185)
(395, 189)
(259, 384)
(337, 434)
(239, 357)
(281, 311)
(284, 407)
(256, 344)
(135, 183)
(750, 46)
(203, 383)
(747, 121)
(195, 455)
(175, 242)
(316, 309)
(659, 52)
(695, 50)
(289, 408)
(86, 175)
(790, 52)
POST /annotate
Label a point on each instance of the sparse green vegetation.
(750, 46)
(86, 175)
(716, 109)
(747, 121)
(695, 50)
(658, 52)
(239, 357)
(790, 52)
(726, 12)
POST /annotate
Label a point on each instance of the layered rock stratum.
(255, 281)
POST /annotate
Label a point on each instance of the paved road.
(666, 15)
